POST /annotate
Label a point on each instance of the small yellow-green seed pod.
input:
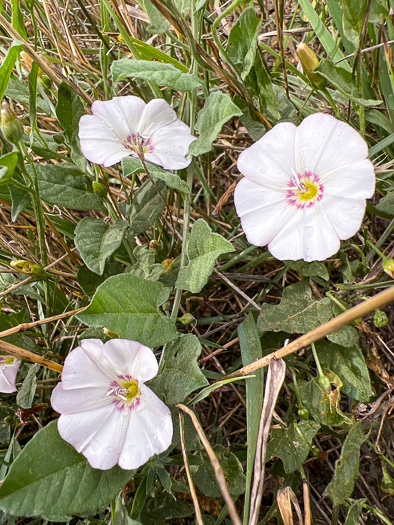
(28, 268)
(388, 267)
(11, 127)
(310, 63)
(186, 319)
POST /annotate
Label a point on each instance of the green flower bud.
(99, 189)
(11, 127)
(310, 63)
(388, 267)
(303, 412)
(314, 451)
(325, 383)
(380, 318)
(28, 268)
(186, 319)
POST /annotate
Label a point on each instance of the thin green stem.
(318, 365)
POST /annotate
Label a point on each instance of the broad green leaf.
(8, 65)
(19, 91)
(347, 336)
(203, 248)
(129, 306)
(261, 84)
(218, 109)
(69, 110)
(20, 199)
(353, 18)
(344, 82)
(158, 23)
(132, 165)
(386, 204)
(292, 445)
(354, 512)
(180, 374)
(349, 365)
(147, 206)
(297, 312)
(205, 478)
(64, 185)
(157, 72)
(242, 41)
(27, 391)
(49, 478)
(8, 164)
(312, 269)
(347, 467)
(251, 351)
(145, 265)
(96, 241)
(322, 405)
(17, 19)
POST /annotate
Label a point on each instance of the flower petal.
(262, 210)
(157, 113)
(149, 432)
(99, 143)
(271, 160)
(83, 367)
(308, 235)
(356, 181)
(324, 143)
(70, 401)
(8, 375)
(98, 434)
(171, 144)
(344, 214)
(131, 358)
(121, 114)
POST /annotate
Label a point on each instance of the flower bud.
(388, 267)
(154, 246)
(11, 127)
(28, 268)
(325, 383)
(310, 63)
(303, 412)
(99, 189)
(186, 319)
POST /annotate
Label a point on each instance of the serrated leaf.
(131, 165)
(180, 374)
(147, 206)
(205, 478)
(157, 72)
(64, 185)
(347, 467)
(297, 312)
(218, 109)
(129, 306)
(349, 365)
(27, 391)
(49, 478)
(8, 65)
(344, 82)
(242, 41)
(203, 248)
(292, 445)
(322, 405)
(96, 241)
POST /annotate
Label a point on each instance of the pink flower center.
(125, 392)
(304, 190)
(138, 144)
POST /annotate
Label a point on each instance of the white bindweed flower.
(107, 413)
(127, 126)
(9, 366)
(304, 188)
